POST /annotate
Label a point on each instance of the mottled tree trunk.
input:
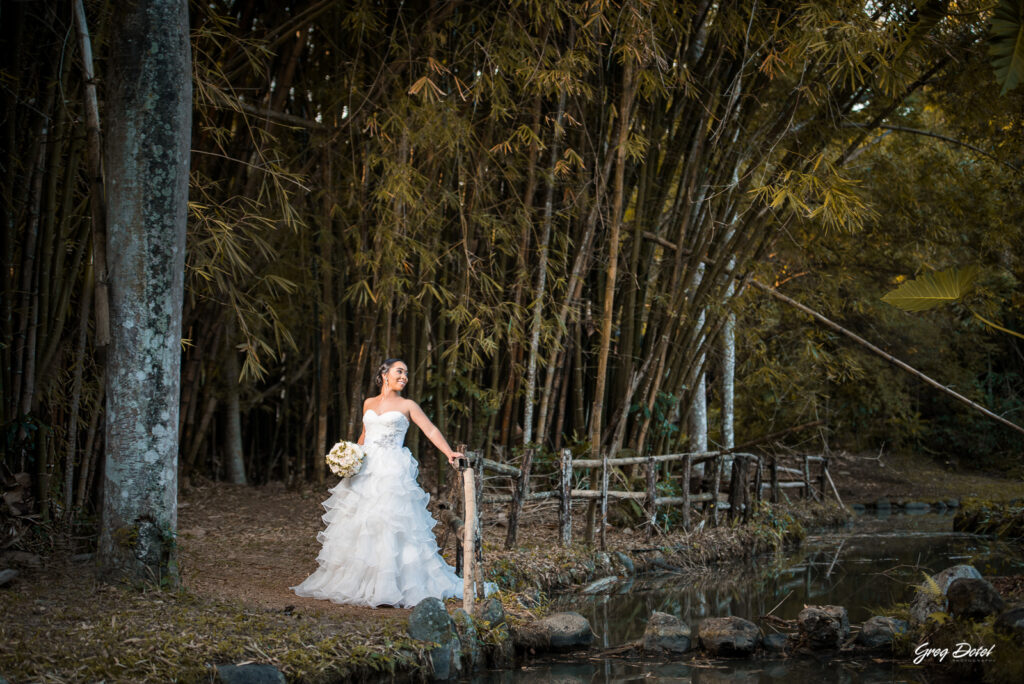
(149, 120)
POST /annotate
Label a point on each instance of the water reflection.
(874, 563)
(618, 671)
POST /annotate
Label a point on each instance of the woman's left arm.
(431, 432)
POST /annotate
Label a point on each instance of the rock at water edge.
(666, 633)
(823, 627)
(973, 599)
(568, 631)
(931, 595)
(728, 636)
(880, 631)
(429, 621)
(490, 612)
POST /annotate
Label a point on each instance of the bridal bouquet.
(345, 459)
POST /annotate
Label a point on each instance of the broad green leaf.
(1006, 43)
(932, 289)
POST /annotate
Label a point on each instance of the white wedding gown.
(378, 547)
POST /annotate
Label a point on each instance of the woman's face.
(397, 376)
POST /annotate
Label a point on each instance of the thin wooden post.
(604, 500)
(758, 480)
(807, 477)
(745, 488)
(734, 486)
(775, 481)
(716, 463)
(518, 495)
(823, 478)
(686, 492)
(652, 497)
(565, 509)
(469, 534)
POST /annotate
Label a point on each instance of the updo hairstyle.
(378, 379)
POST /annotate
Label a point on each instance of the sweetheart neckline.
(379, 415)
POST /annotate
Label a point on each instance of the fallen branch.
(885, 355)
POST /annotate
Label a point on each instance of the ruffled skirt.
(379, 547)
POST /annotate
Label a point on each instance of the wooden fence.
(750, 476)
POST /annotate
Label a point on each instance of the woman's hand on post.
(453, 457)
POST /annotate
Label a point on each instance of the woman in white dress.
(379, 547)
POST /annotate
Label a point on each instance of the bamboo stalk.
(96, 194)
(76, 391)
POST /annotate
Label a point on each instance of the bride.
(378, 547)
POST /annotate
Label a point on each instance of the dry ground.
(241, 548)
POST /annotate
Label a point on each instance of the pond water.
(873, 563)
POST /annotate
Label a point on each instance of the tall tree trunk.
(147, 156)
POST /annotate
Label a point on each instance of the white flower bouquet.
(345, 459)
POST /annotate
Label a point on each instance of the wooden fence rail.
(745, 480)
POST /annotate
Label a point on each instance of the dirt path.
(253, 543)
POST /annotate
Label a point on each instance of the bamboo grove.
(546, 207)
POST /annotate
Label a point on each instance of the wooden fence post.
(686, 492)
(468, 541)
(604, 499)
(652, 497)
(807, 477)
(716, 463)
(565, 509)
(775, 480)
(823, 479)
(521, 487)
(758, 481)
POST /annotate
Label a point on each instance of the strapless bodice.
(386, 430)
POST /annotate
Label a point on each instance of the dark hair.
(378, 379)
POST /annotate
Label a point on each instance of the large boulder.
(973, 599)
(728, 636)
(880, 631)
(823, 627)
(567, 631)
(666, 634)
(931, 596)
(430, 622)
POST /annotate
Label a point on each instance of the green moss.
(984, 516)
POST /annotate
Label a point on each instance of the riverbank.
(242, 547)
